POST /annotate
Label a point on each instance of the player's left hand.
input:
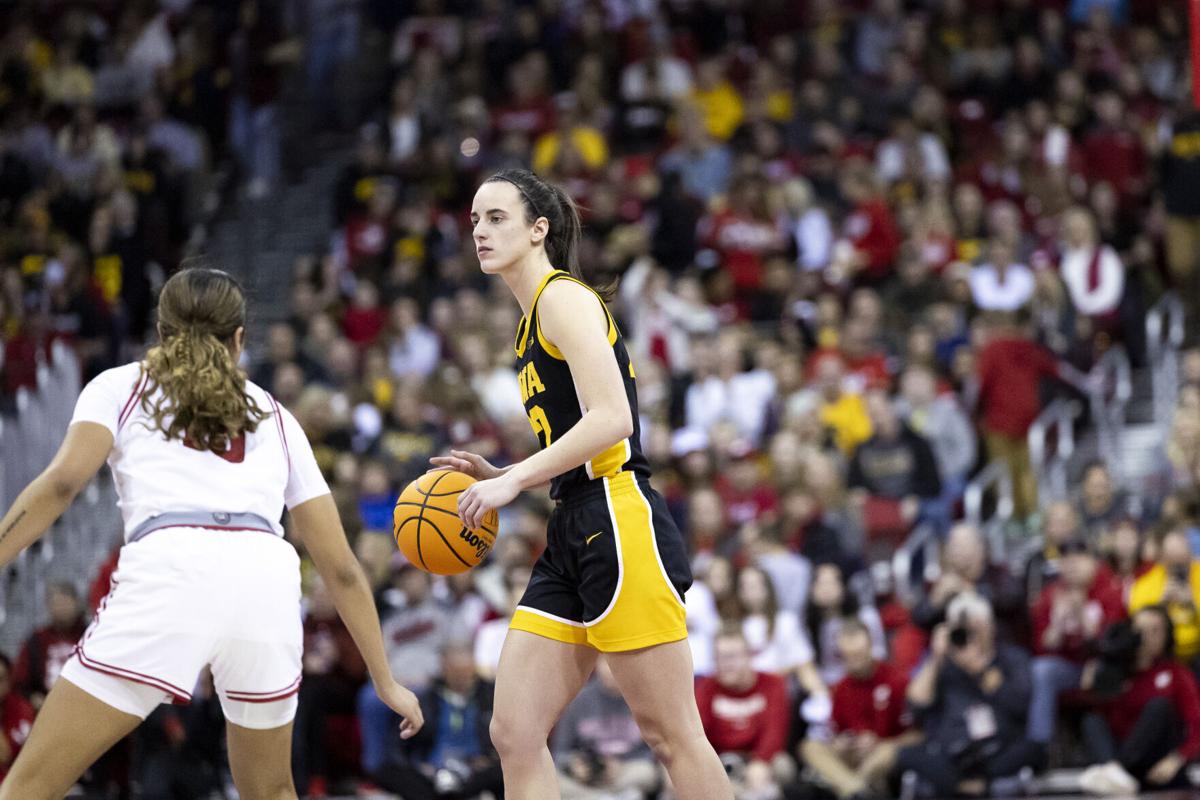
(404, 703)
(480, 498)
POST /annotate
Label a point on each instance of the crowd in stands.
(858, 246)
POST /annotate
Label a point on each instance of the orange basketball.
(428, 530)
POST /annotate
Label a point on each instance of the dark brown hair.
(203, 398)
(544, 199)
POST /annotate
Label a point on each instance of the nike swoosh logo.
(588, 540)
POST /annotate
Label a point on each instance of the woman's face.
(752, 590)
(827, 588)
(500, 231)
(719, 577)
(1153, 630)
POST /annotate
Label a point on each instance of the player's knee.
(512, 738)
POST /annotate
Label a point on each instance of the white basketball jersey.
(260, 473)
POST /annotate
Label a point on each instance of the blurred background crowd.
(860, 247)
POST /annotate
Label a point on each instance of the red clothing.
(103, 580)
(1010, 370)
(872, 229)
(742, 507)
(362, 326)
(1167, 678)
(1104, 601)
(42, 658)
(755, 721)
(16, 718)
(366, 238)
(743, 243)
(331, 636)
(874, 704)
(869, 371)
(1117, 157)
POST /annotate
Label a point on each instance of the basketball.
(428, 530)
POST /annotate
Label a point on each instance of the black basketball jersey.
(553, 405)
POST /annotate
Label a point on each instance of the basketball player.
(204, 463)
(615, 569)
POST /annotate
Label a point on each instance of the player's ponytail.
(544, 199)
(202, 392)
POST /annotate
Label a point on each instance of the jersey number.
(541, 425)
(236, 453)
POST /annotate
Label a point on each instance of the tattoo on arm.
(12, 525)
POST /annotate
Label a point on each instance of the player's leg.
(261, 761)
(536, 679)
(72, 730)
(657, 683)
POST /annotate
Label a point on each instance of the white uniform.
(186, 597)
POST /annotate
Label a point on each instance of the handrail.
(1110, 388)
(1165, 330)
(1056, 421)
(923, 537)
(997, 476)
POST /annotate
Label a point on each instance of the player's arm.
(572, 318)
(319, 528)
(47, 496)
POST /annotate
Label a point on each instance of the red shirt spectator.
(871, 705)
(873, 232)
(48, 649)
(1010, 369)
(1165, 678)
(1101, 606)
(743, 711)
(16, 719)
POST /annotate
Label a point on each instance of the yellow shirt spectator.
(847, 418)
(722, 109)
(1151, 588)
(588, 141)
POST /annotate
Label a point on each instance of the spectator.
(703, 163)
(333, 674)
(965, 568)
(776, 640)
(1174, 584)
(1092, 270)
(869, 723)
(1068, 615)
(971, 700)
(893, 473)
(842, 412)
(1010, 369)
(829, 608)
(1180, 165)
(1060, 526)
(745, 716)
(1151, 729)
(598, 746)
(16, 717)
(1126, 555)
(452, 755)
(47, 649)
(1101, 503)
(414, 632)
(1002, 283)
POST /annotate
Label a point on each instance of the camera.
(960, 635)
(1179, 574)
(1118, 648)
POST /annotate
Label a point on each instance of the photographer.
(1151, 728)
(1070, 613)
(1174, 582)
(970, 698)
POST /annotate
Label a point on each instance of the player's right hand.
(471, 464)
(404, 703)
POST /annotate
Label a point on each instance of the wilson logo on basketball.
(475, 541)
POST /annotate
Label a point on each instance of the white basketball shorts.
(186, 598)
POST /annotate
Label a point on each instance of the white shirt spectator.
(780, 650)
(814, 237)
(1094, 294)
(415, 352)
(703, 624)
(990, 292)
(674, 80)
(498, 392)
(891, 158)
(743, 400)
